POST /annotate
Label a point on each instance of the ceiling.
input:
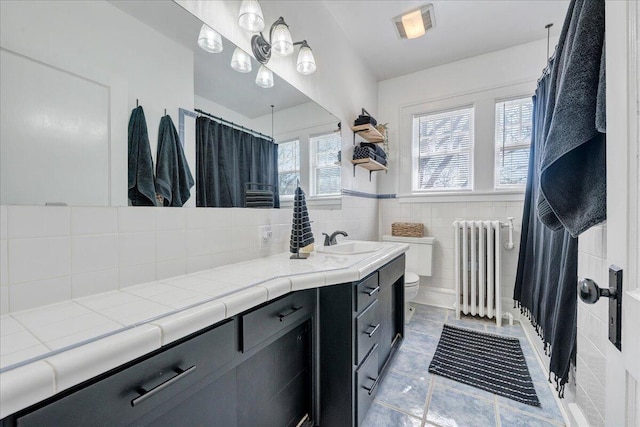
(463, 28)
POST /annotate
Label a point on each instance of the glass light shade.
(264, 78)
(281, 42)
(210, 40)
(306, 61)
(241, 61)
(250, 17)
(413, 24)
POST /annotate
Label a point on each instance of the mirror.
(72, 72)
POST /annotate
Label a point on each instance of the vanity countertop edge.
(24, 383)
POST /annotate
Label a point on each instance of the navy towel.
(379, 151)
(141, 181)
(573, 178)
(173, 176)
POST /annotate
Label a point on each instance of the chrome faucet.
(331, 240)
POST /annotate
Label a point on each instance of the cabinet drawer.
(262, 323)
(366, 292)
(367, 384)
(135, 391)
(368, 330)
(391, 272)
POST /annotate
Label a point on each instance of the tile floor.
(410, 396)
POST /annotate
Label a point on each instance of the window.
(443, 147)
(288, 167)
(325, 167)
(513, 140)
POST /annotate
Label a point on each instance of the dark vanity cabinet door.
(361, 324)
(275, 384)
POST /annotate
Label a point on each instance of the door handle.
(590, 292)
(376, 381)
(146, 394)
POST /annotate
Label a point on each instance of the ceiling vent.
(415, 23)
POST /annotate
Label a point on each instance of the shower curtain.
(227, 159)
(566, 185)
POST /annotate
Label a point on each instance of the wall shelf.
(369, 164)
(368, 133)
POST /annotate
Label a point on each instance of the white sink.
(350, 248)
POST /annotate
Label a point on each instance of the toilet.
(419, 259)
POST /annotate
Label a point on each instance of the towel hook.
(137, 105)
(165, 111)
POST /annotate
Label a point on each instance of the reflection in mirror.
(72, 72)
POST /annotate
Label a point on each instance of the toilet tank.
(419, 257)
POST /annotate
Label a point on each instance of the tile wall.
(438, 219)
(53, 254)
(592, 328)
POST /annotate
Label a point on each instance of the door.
(623, 207)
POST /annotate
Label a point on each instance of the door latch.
(590, 293)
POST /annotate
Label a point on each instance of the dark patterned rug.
(490, 362)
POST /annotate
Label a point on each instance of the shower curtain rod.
(234, 125)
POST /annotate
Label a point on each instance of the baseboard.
(439, 297)
(446, 298)
(576, 417)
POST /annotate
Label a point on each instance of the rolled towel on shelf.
(367, 153)
(378, 149)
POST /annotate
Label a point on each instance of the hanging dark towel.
(141, 181)
(379, 151)
(573, 168)
(173, 176)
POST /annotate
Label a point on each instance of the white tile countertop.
(48, 349)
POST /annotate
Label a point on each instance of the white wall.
(95, 40)
(479, 81)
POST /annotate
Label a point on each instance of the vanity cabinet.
(361, 324)
(225, 375)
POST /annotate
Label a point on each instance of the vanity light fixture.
(281, 43)
(241, 61)
(250, 17)
(264, 78)
(210, 40)
(415, 23)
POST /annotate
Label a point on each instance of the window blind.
(325, 166)
(288, 167)
(443, 146)
(513, 141)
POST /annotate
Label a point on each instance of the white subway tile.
(170, 245)
(171, 219)
(171, 268)
(198, 263)
(24, 296)
(4, 300)
(135, 274)
(136, 248)
(94, 253)
(94, 283)
(38, 221)
(136, 219)
(4, 263)
(3, 222)
(38, 259)
(198, 218)
(94, 220)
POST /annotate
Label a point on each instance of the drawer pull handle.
(146, 394)
(372, 290)
(375, 329)
(285, 315)
(376, 381)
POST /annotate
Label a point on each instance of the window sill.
(470, 196)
